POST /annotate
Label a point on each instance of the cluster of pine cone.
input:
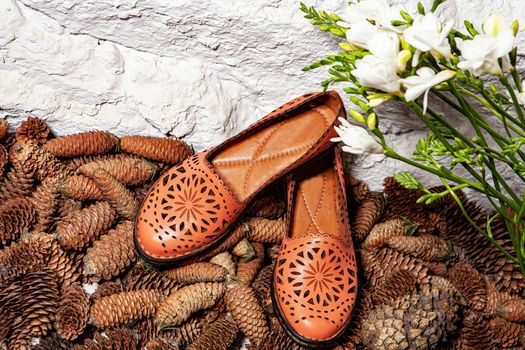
(428, 279)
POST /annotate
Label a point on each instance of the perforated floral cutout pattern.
(316, 284)
(186, 210)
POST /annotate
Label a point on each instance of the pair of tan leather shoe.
(191, 208)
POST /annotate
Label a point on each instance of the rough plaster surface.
(200, 70)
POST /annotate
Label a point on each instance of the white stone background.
(200, 70)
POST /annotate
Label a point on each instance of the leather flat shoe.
(315, 277)
(192, 207)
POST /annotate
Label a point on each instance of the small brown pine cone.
(165, 150)
(425, 247)
(45, 201)
(67, 269)
(16, 215)
(263, 283)
(17, 183)
(180, 305)
(37, 303)
(4, 128)
(163, 343)
(74, 163)
(508, 335)
(122, 308)
(128, 170)
(21, 257)
(240, 232)
(357, 190)
(82, 144)
(27, 155)
(268, 206)
(265, 230)
(367, 215)
(81, 188)
(52, 342)
(377, 264)
(247, 270)
(73, 312)
(225, 260)
(503, 304)
(4, 160)
(86, 225)
(397, 284)
(242, 303)
(115, 338)
(381, 232)
(219, 335)
(68, 206)
(33, 129)
(148, 278)
(197, 272)
(111, 254)
(243, 250)
(106, 289)
(120, 198)
(476, 333)
(470, 285)
(189, 330)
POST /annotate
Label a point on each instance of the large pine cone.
(128, 170)
(73, 312)
(27, 155)
(367, 215)
(82, 144)
(81, 188)
(17, 183)
(266, 230)
(468, 282)
(165, 150)
(45, 201)
(268, 207)
(16, 215)
(197, 272)
(115, 338)
(112, 254)
(219, 335)
(146, 277)
(33, 129)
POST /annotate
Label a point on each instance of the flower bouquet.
(388, 53)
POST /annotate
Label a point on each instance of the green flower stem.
(517, 79)
(503, 79)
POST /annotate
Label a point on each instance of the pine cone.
(180, 305)
(106, 289)
(22, 257)
(225, 260)
(4, 160)
(189, 330)
(73, 311)
(33, 129)
(83, 227)
(150, 279)
(508, 335)
(381, 232)
(120, 198)
(68, 206)
(82, 144)
(197, 272)
(115, 338)
(67, 269)
(74, 163)
(476, 333)
(396, 285)
(166, 150)
(503, 304)
(27, 155)
(357, 190)
(219, 335)
(81, 188)
(278, 339)
(45, 201)
(128, 170)
(367, 215)
(468, 282)
(419, 320)
(16, 215)
(243, 250)
(242, 303)
(426, 247)
(266, 230)
(52, 342)
(37, 304)
(240, 232)
(17, 183)
(268, 206)
(263, 283)
(110, 255)
(378, 264)
(162, 343)
(4, 128)
(247, 270)
(123, 308)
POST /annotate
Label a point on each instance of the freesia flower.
(356, 139)
(377, 11)
(360, 33)
(428, 33)
(421, 83)
(483, 51)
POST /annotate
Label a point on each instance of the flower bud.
(402, 59)
(372, 121)
(357, 116)
(515, 27)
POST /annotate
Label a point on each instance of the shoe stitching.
(271, 156)
(319, 204)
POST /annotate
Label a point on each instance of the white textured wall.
(200, 70)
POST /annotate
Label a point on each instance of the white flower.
(379, 70)
(360, 33)
(421, 83)
(356, 139)
(378, 11)
(483, 51)
(428, 33)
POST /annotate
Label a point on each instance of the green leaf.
(420, 8)
(407, 180)
(470, 28)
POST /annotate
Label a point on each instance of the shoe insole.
(249, 164)
(317, 205)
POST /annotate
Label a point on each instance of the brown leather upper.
(194, 204)
(316, 272)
